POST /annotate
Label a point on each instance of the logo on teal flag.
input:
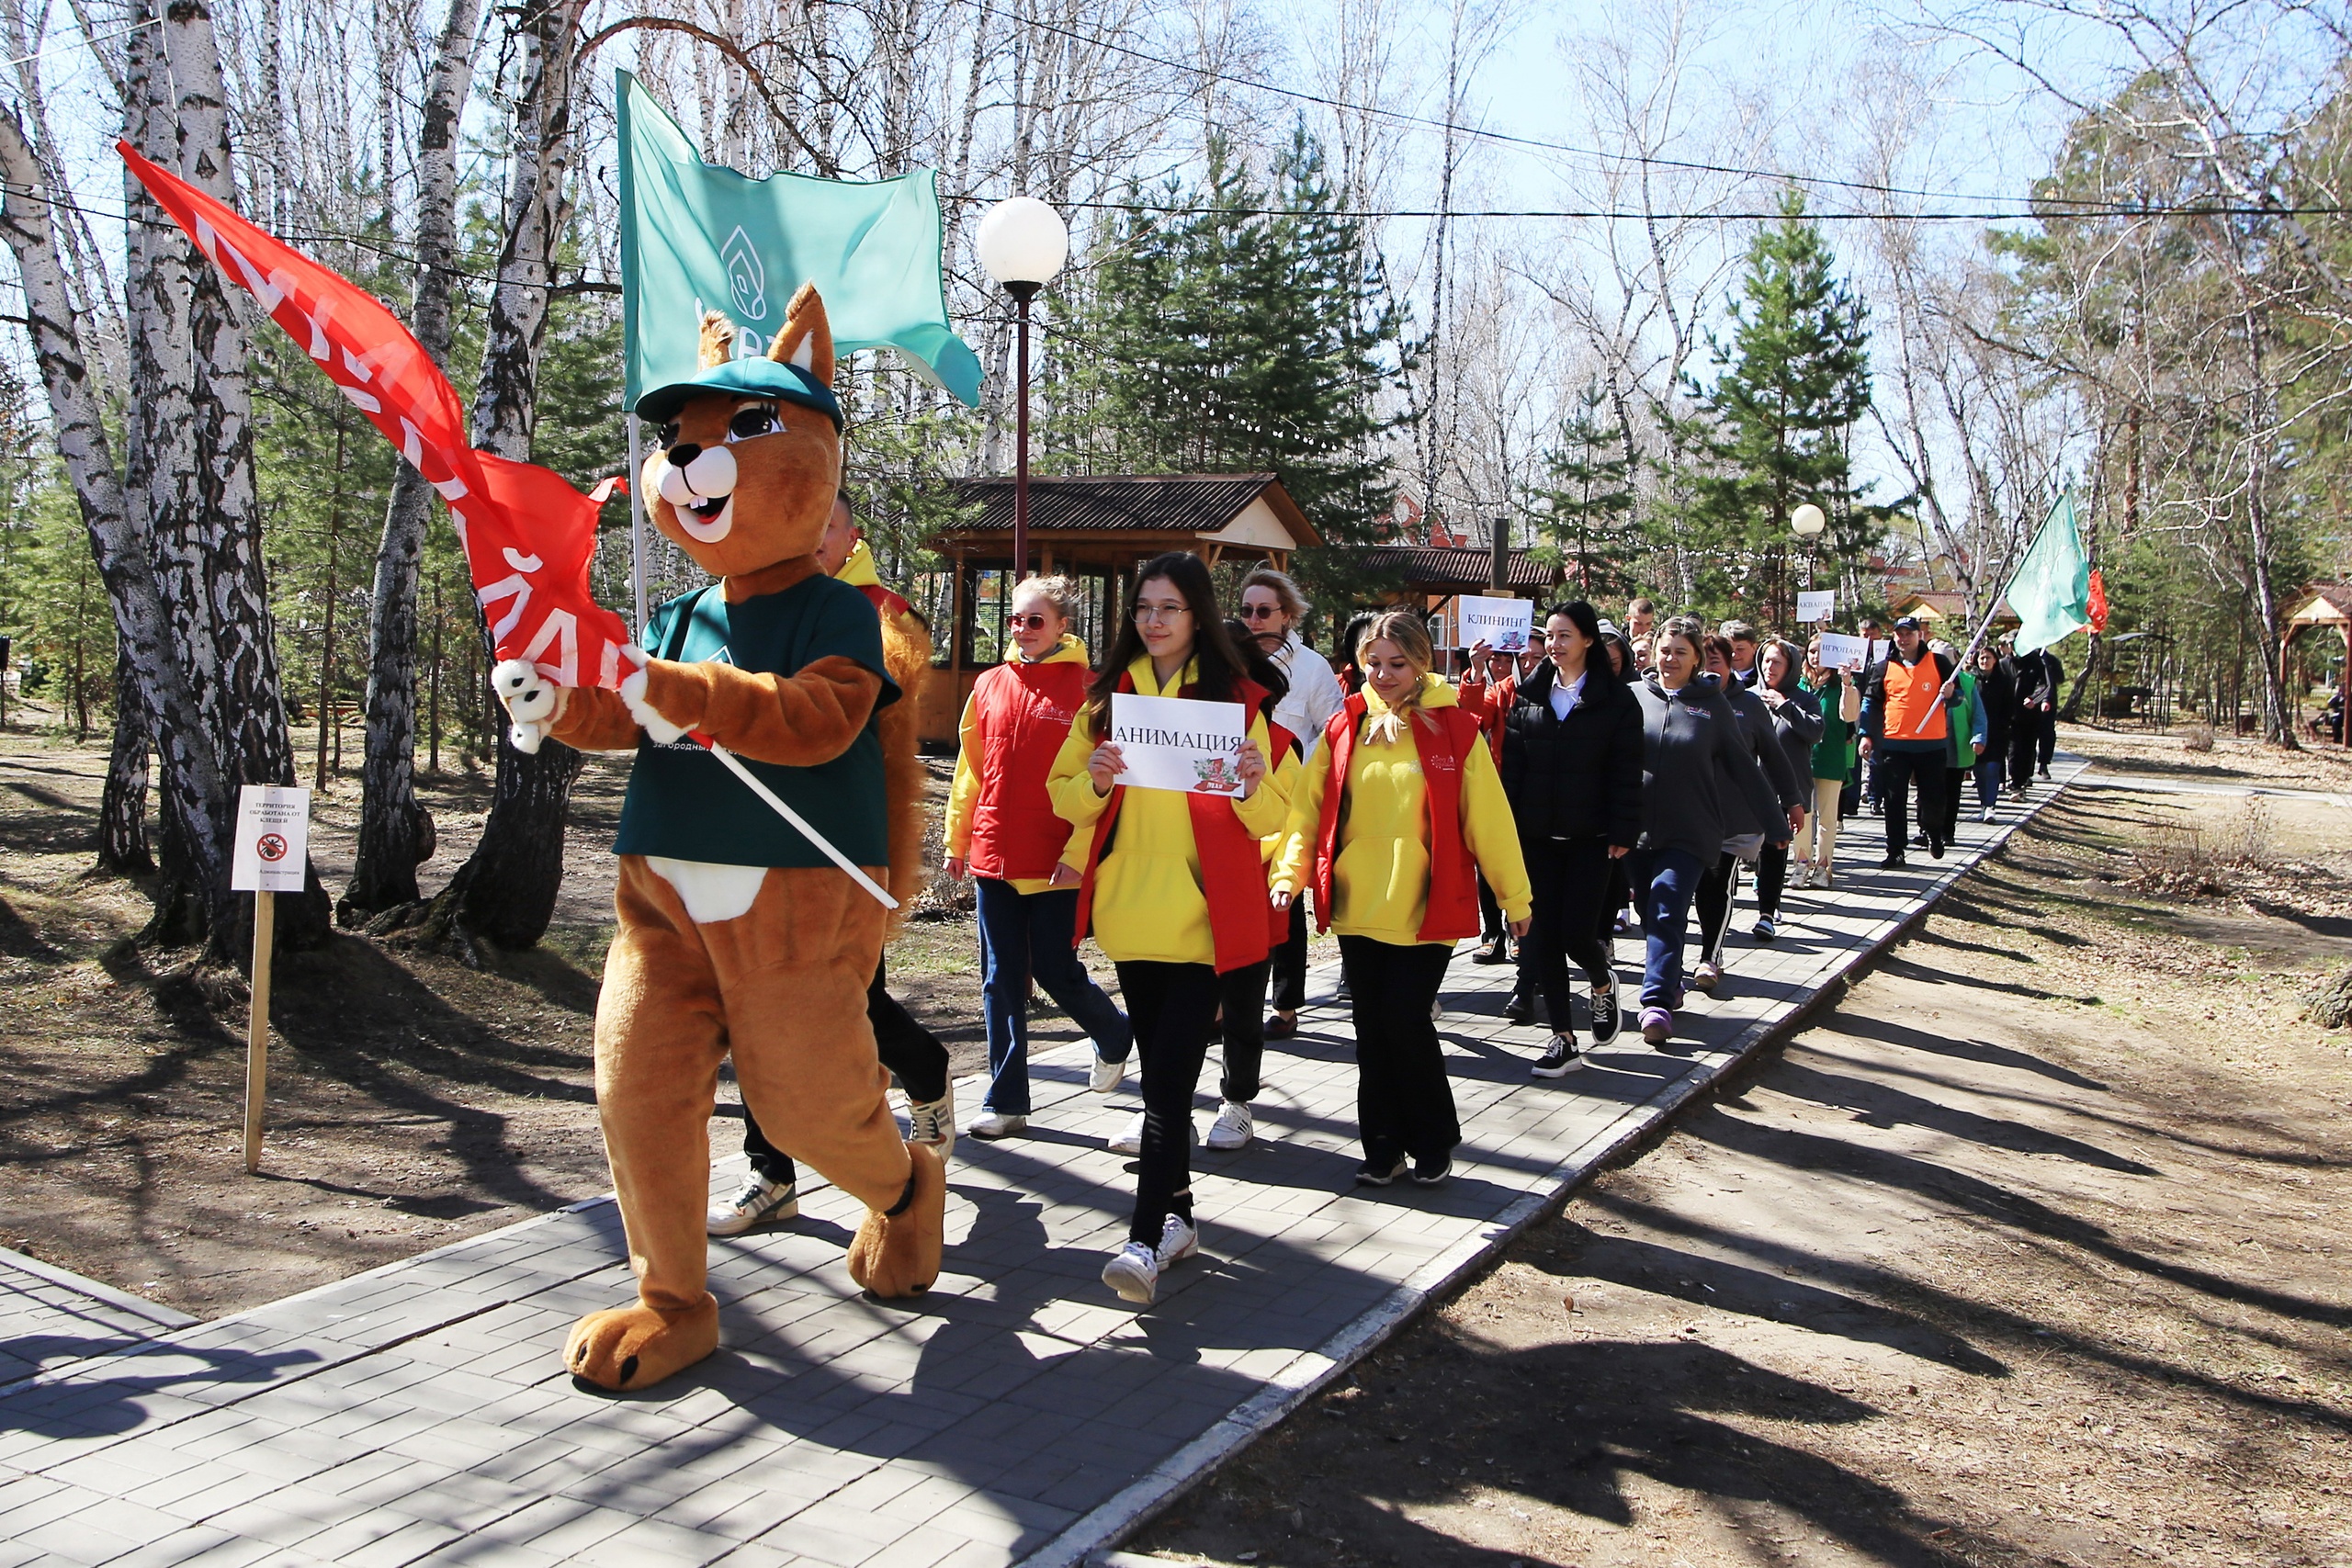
(2051, 590)
(696, 238)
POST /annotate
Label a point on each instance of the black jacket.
(1796, 725)
(1579, 777)
(1791, 786)
(1700, 779)
(1997, 688)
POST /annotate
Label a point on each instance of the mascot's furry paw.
(651, 722)
(533, 702)
(633, 1346)
(897, 1255)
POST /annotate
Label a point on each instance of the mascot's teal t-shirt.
(683, 803)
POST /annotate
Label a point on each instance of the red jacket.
(1233, 870)
(1021, 713)
(1452, 911)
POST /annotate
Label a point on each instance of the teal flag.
(696, 238)
(2051, 590)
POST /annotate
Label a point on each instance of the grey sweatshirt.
(1755, 723)
(1700, 775)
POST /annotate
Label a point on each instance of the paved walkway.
(1020, 1411)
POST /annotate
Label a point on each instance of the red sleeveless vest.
(1233, 875)
(1452, 913)
(1021, 714)
(1277, 920)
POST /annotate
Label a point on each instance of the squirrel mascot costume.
(736, 935)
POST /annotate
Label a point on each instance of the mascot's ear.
(808, 338)
(717, 341)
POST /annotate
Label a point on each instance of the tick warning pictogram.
(271, 847)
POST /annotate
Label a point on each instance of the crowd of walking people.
(1612, 779)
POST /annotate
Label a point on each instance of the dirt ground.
(413, 1101)
(2029, 1252)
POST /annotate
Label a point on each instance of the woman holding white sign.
(1401, 809)
(1172, 882)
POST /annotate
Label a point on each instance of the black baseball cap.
(1906, 623)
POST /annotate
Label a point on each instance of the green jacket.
(1833, 755)
(1967, 710)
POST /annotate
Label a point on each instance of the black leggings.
(1173, 1008)
(1289, 985)
(1572, 884)
(1404, 1104)
(1718, 894)
(1243, 993)
(905, 1048)
(1771, 876)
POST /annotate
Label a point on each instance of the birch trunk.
(193, 793)
(122, 809)
(189, 459)
(506, 891)
(395, 833)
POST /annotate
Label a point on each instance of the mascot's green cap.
(760, 378)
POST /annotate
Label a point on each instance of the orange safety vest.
(1914, 710)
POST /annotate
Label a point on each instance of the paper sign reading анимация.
(1177, 743)
(1503, 624)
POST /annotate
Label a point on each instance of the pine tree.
(1590, 496)
(1789, 389)
(1234, 326)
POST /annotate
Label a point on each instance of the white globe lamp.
(1806, 521)
(1022, 243)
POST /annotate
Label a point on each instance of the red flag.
(2097, 610)
(528, 534)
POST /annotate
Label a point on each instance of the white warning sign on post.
(273, 839)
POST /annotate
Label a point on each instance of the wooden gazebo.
(2325, 604)
(1096, 528)
(1430, 577)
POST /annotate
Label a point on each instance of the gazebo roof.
(1942, 604)
(2322, 604)
(1251, 510)
(1437, 569)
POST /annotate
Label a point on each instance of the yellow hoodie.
(1380, 882)
(1148, 906)
(966, 790)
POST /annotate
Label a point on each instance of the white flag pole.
(636, 524)
(752, 783)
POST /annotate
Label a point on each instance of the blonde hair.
(1410, 633)
(1285, 590)
(1062, 593)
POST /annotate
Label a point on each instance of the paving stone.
(417, 1413)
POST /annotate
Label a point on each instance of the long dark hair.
(1257, 666)
(1598, 665)
(1351, 636)
(1219, 663)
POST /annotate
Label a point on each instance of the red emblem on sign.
(270, 847)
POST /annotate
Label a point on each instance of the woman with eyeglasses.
(1003, 832)
(1172, 884)
(1398, 810)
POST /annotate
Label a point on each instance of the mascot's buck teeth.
(701, 491)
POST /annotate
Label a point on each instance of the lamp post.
(1806, 523)
(1022, 243)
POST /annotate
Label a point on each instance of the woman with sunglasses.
(1171, 886)
(1399, 810)
(1003, 832)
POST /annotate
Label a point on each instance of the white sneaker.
(990, 1125)
(1985, 815)
(1706, 977)
(933, 1121)
(1134, 1272)
(1103, 1076)
(760, 1202)
(1178, 1241)
(1804, 874)
(1128, 1139)
(1233, 1128)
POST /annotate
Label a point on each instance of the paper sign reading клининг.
(273, 839)
(1813, 607)
(1503, 624)
(1180, 744)
(1839, 651)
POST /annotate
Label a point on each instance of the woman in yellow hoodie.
(1170, 882)
(1399, 806)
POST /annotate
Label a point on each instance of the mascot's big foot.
(633, 1346)
(897, 1255)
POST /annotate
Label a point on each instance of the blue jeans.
(1664, 882)
(1026, 934)
(1988, 780)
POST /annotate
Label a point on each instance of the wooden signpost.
(271, 856)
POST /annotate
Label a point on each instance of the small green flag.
(696, 238)
(2051, 588)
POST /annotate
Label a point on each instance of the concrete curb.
(162, 1317)
(1088, 1542)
